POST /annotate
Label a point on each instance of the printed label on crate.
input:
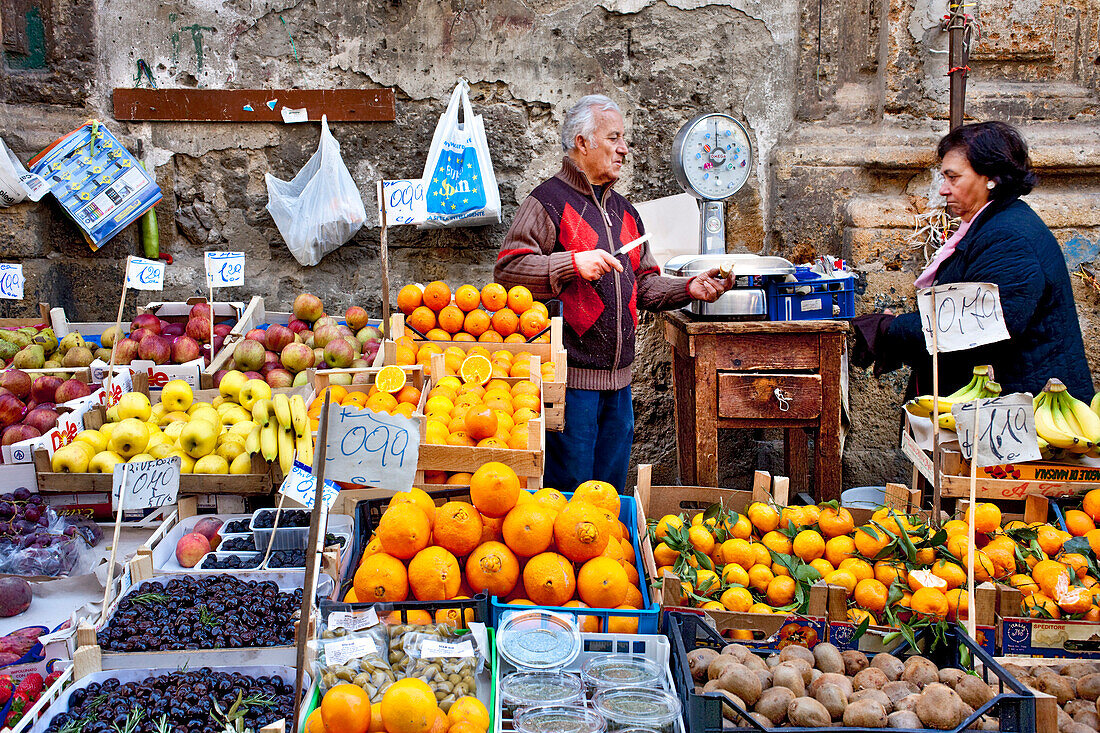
(353, 620)
(967, 315)
(434, 649)
(224, 269)
(159, 374)
(11, 281)
(149, 484)
(842, 636)
(301, 486)
(143, 274)
(1050, 638)
(342, 651)
(1043, 472)
(810, 305)
(370, 448)
(1006, 429)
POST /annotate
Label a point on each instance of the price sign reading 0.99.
(372, 448)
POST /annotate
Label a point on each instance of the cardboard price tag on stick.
(224, 269)
(404, 201)
(147, 485)
(372, 448)
(1006, 429)
(143, 274)
(301, 486)
(11, 281)
(967, 315)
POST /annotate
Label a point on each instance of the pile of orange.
(478, 409)
(490, 314)
(526, 548)
(504, 364)
(408, 706)
(385, 394)
(894, 568)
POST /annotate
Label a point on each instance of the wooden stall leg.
(796, 458)
(683, 386)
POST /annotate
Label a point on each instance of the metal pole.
(957, 59)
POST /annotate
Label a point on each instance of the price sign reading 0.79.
(148, 484)
(966, 315)
(372, 448)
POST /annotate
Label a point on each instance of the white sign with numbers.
(967, 315)
(1006, 429)
(11, 281)
(148, 484)
(301, 486)
(224, 269)
(143, 274)
(405, 202)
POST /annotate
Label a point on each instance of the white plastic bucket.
(863, 497)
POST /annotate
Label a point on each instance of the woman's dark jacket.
(1008, 244)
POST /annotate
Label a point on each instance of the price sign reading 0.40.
(224, 269)
(372, 448)
(149, 484)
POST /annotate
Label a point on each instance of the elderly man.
(564, 244)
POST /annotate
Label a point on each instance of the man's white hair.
(581, 119)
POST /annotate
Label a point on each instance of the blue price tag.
(301, 486)
(11, 281)
(224, 269)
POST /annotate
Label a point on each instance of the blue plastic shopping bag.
(456, 187)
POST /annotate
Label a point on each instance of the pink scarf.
(928, 278)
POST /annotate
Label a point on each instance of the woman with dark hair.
(1001, 240)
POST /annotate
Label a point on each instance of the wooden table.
(757, 374)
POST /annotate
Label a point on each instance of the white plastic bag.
(321, 208)
(460, 185)
(16, 184)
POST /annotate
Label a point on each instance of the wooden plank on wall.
(252, 105)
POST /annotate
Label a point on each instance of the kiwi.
(920, 671)
(866, 713)
(973, 691)
(854, 661)
(841, 681)
(699, 662)
(827, 658)
(905, 719)
(738, 651)
(939, 707)
(951, 676)
(789, 675)
(833, 698)
(1088, 687)
(773, 703)
(720, 665)
(898, 689)
(743, 682)
(889, 664)
(871, 678)
(797, 652)
(806, 712)
(877, 695)
(1057, 685)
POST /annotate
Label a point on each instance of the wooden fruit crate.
(553, 392)
(43, 319)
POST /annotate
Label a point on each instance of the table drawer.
(742, 395)
(762, 352)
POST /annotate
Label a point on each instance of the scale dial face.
(712, 156)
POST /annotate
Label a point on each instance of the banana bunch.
(988, 389)
(924, 405)
(1064, 422)
(1096, 403)
(283, 430)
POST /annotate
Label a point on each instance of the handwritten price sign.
(224, 269)
(372, 448)
(967, 315)
(1006, 429)
(405, 202)
(148, 485)
(143, 274)
(301, 486)
(11, 281)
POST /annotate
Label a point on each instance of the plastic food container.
(559, 719)
(631, 707)
(538, 639)
(521, 690)
(283, 538)
(621, 670)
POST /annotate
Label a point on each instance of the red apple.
(172, 330)
(44, 388)
(208, 526)
(147, 321)
(185, 349)
(16, 381)
(325, 334)
(308, 308)
(339, 354)
(18, 433)
(203, 310)
(156, 349)
(41, 418)
(253, 375)
(257, 334)
(198, 328)
(191, 548)
(218, 376)
(356, 317)
(297, 357)
(298, 326)
(72, 389)
(222, 329)
(11, 410)
(126, 351)
(279, 377)
(249, 354)
(277, 337)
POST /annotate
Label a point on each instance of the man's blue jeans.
(599, 431)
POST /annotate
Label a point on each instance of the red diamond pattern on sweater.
(577, 235)
(628, 234)
(634, 302)
(582, 307)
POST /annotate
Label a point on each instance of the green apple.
(211, 464)
(242, 464)
(254, 389)
(187, 463)
(142, 458)
(70, 459)
(231, 384)
(177, 396)
(199, 438)
(160, 450)
(95, 438)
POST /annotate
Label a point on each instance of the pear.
(7, 351)
(103, 355)
(47, 340)
(77, 356)
(52, 364)
(29, 357)
(18, 338)
(71, 340)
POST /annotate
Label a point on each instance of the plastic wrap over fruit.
(36, 541)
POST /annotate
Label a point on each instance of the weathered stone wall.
(845, 101)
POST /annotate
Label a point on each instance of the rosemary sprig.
(133, 720)
(149, 598)
(206, 618)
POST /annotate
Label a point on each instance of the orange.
(835, 522)
(470, 710)
(599, 493)
(505, 321)
(668, 521)
(808, 545)
(737, 599)
(416, 617)
(950, 572)
(625, 624)
(434, 575)
(476, 322)
(440, 724)
(1050, 539)
(480, 422)
(494, 489)
(1050, 574)
(1075, 600)
(457, 527)
(664, 555)
(958, 604)
(1076, 562)
(1040, 606)
(345, 708)
(381, 402)
(404, 356)
(437, 334)
(420, 498)
(408, 706)
(780, 590)
(529, 529)
(494, 297)
(887, 571)
(988, 517)
(475, 369)
(467, 297)
(492, 568)
(789, 515)
(602, 583)
(437, 295)
(314, 723)
(460, 478)
(838, 549)
(929, 602)
(777, 542)
(763, 554)
(1093, 538)
(381, 578)
(858, 616)
(1091, 504)
(954, 527)
(532, 323)
(871, 594)
(733, 574)
(519, 298)
(491, 337)
(581, 531)
(870, 541)
(844, 578)
(701, 539)
(587, 624)
(409, 298)
(455, 617)
(984, 569)
(350, 596)
(549, 580)
(551, 498)
(404, 530)
(1024, 583)
(859, 568)
(958, 545)
(422, 319)
(739, 552)
(760, 577)
(822, 566)
(780, 569)
(1079, 523)
(492, 529)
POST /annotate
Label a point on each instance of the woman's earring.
(990, 185)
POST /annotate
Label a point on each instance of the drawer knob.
(784, 399)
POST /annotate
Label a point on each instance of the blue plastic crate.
(785, 303)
